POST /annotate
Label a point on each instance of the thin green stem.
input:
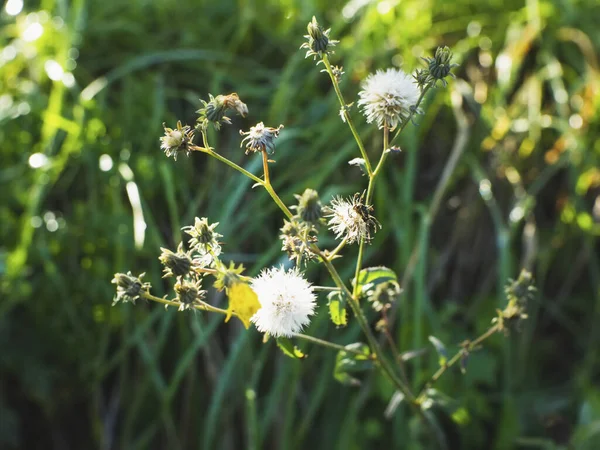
(361, 245)
(332, 345)
(364, 324)
(336, 250)
(201, 306)
(410, 116)
(211, 152)
(468, 347)
(325, 288)
(340, 97)
(277, 200)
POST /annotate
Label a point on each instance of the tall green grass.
(520, 125)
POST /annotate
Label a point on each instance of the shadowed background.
(86, 191)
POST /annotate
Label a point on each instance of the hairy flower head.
(260, 138)
(129, 287)
(177, 140)
(351, 219)
(387, 97)
(287, 301)
(188, 293)
(176, 264)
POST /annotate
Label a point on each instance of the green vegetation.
(501, 173)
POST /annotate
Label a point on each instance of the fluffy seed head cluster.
(351, 219)
(260, 138)
(177, 140)
(387, 97)
(287, 301)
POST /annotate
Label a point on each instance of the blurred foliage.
(84, 88)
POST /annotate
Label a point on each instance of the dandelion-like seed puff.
(287, 302)
(387, 97)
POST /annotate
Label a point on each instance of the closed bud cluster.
(129, 287)
(175, 264)
(384, 294)
(318, 43)
(204, 239)
(215, 109)
(296, 237)
(309, 206)
(260, 138)
(188, 293)
(177, 140)
(438, 68)
(518, 292)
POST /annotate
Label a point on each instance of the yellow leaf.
(242, 301)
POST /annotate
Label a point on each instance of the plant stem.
(411, 115)
(338, 92)
(362, 321)
(211, 152)
(332, 345)
(336, 250)
(265, 159)
(202, 306)
(467, 348)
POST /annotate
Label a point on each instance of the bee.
(365, 211)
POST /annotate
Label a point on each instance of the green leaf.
(290, 349)
(450, 406)
(347, 363)
(337, 308)
(440, 348)
(370, 277)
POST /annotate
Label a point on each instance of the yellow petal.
(242, 301)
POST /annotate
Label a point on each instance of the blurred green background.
(86, 191)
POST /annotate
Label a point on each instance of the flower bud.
(309, 206)
(215, 109)
(318, 40)
(188, 292)
(176, 264)
(129, 288)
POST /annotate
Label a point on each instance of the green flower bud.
(129, 288)
(318, 40)
(215, 109)
(309, 206)
(188, 293)
(176, 264)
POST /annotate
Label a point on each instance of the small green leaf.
(290, 349)
(441, 350)
(337, 309)
(370, 277)
(347, 363)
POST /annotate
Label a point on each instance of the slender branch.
(265, 159)
(326, 288)
(332, 345)
(211, 152)
(203, 306)
(338, 92)
(467, 348)
(336, 250)
(410, 116)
